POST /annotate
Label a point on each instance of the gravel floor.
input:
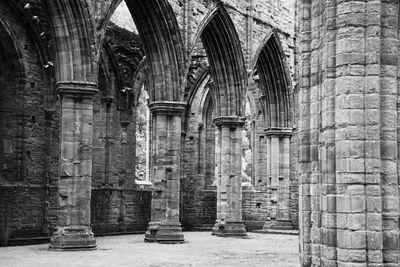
(201, 249)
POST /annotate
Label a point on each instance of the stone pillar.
(108, 100)
(148, 145)
(229, 181)
(284, 178)
(74, 185)
(166, 172)
(128, 140)
(278, 180)
(348, 132)
(260, 159)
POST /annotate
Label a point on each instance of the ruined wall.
(120, 210)
(256, 208)
(28, 135)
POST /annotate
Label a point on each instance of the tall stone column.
(348, 132)
(278, 147)
(229, 181)
(74, 185)
(166, 172)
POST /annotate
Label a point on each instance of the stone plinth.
(73, 238)
(227, 229)
(164, 233)
(280, 224)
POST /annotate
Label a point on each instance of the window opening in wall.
(247, 154)
(142, 137)
(122, 18)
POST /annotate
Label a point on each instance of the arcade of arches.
(226, 116)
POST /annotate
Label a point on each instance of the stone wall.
(28, 135)
(256, 208)
(118, 210)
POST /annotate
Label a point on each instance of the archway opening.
(275, 180)
(247, 147)
(120, 130)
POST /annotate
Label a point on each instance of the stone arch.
(275, 82)
(73, 37)
(223, 48)
(35, 30)
(141, 78)
(159, 31)
(225, 57)
(24, 72)
(209, 142)
(274, 156)
(123, 89)
(35, 33)
(12, 84)
(105, 70)
(198, 181)
(26, 120)
(253, 105)
(193, 79)
(207, 106)
(12, 47)
(200, 80)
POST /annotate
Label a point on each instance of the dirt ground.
(201, 249)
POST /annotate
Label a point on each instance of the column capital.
(231, 121)
(167, 108)
(80, 89)
(279, 132)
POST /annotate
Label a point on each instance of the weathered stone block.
(170, 233)
(73, 238)
(229, 229)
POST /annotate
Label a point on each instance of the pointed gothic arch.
(275, 82)
(223, 48)
(159, 31)
(73, 37)
(11, 47)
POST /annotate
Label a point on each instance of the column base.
(165, 233)
(227, 229)
(279, 224)
(73, 238)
